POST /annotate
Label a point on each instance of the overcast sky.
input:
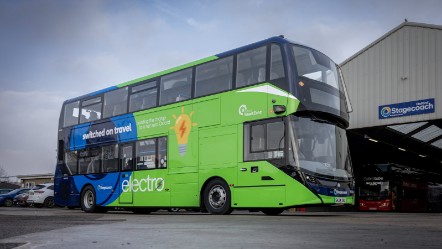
(55, 50)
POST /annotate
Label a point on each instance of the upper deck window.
(276, 65)
(91, 110)
(316, 66)
(71, 112)
(213, 77)
(251, 67)
(143, 96)
(115, 102)
(176, 87)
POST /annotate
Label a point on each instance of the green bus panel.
(218, 150)
(208, 111)
(263, 196)
(184, 190)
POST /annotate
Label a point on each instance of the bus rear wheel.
(88, 199)
(217, 197)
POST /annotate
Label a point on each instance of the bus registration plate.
(340, 200)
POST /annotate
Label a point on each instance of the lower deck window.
(264, 140)
(71, 162)
(110, 158)
(89, 161)
(151, 153)
(140, 155)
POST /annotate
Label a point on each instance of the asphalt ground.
(64, 228)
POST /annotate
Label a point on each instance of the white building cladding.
(404, 65)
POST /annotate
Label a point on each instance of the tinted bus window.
(89, 161)
(275, 136)
(264, 140)
(71, 162)
(110, 158)
(162, 152)
(71, 112)
(316, 66)
(214, 77)
(257, 138)
(115, 103)
(276, 64)
(143, 96)
(146, 154)
(126, 157)
(251, 67)
(91, 110)
(176, 87)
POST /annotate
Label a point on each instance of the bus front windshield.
(372, 190)
(319, 83)
(319, 148)
(316, 66)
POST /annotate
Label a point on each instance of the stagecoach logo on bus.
(340, 192)
(104, 187)
(406, 108)
(243, 111)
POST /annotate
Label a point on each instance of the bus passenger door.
(259, 182)
(126, 166)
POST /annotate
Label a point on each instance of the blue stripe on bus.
(76, 140)
(107, 187)
(114, 130)
(103, 90)
(126, 127)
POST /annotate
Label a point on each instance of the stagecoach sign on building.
(406, 108)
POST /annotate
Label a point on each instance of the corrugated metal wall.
(404, 65)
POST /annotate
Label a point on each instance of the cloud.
(190, 21)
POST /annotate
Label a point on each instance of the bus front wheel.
(217, 197)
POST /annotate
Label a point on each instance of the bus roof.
(275, 39)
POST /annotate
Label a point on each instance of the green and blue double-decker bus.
(260, 127)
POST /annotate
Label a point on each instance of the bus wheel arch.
(216, 196)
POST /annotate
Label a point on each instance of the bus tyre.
(88, 199)
(273, 211)
(217, 197)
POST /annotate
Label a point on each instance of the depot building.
(395, 88)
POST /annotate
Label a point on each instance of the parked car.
(41, 195)
(5, 190)
(20, 200)
(7, 199)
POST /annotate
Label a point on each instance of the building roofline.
(400, 26)
(34, 176)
